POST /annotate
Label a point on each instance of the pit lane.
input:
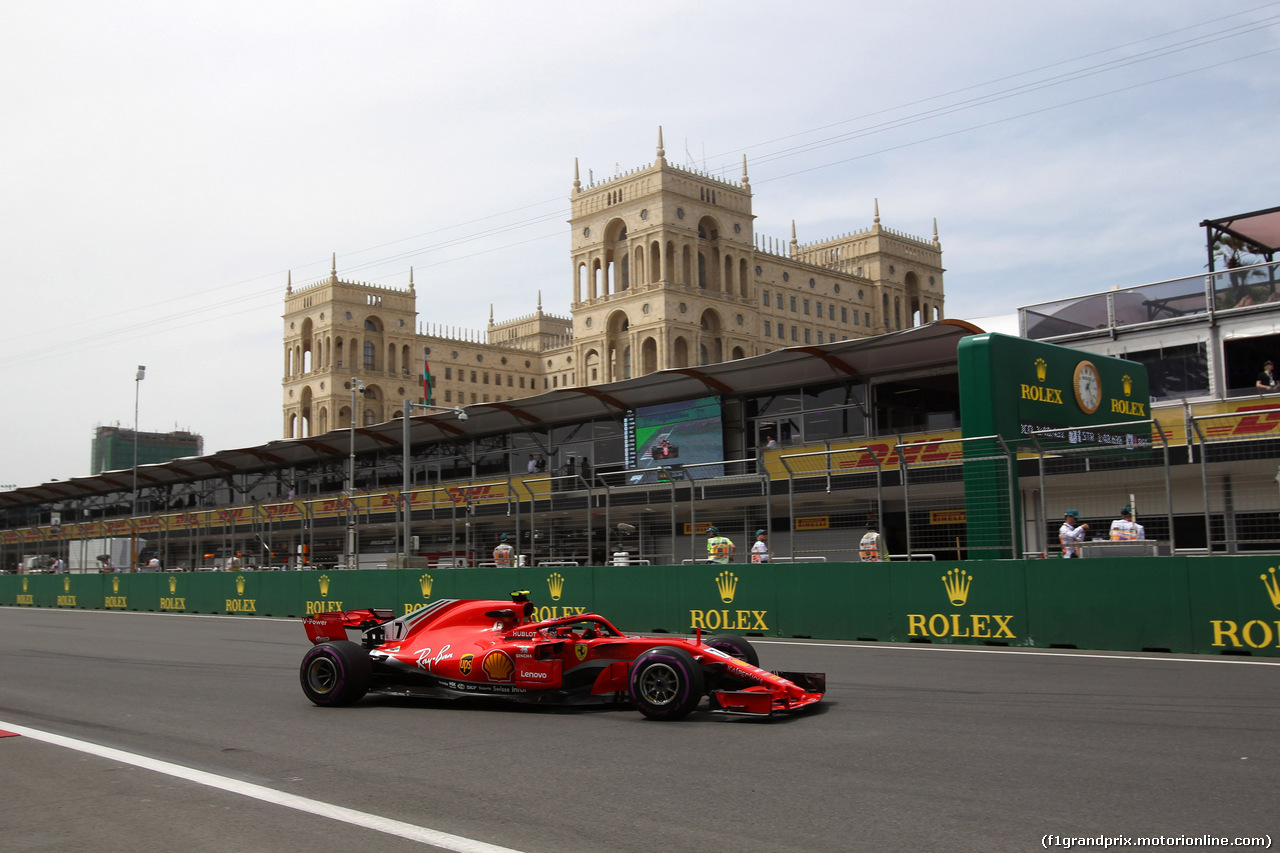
(915, 748)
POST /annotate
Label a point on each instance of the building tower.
(334, 330)
(669, 273)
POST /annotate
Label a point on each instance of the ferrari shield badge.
(580, 649)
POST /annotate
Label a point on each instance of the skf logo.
(1273, 588)
(580, 651)
(1042, 369)
(727, 585)
(173, 584)
(425, 583)
(324, 586)
(957, 582)
(555, 585)
(981, 626)
(239, 584)
(115, 584)
(1127, 382)
(464, 664)
(498, 666)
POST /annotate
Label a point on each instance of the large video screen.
(680, 434)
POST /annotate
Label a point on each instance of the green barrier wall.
(1210, 605)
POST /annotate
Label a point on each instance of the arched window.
(370, 355)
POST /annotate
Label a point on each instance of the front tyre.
(666, 683)
(336, 673)
(734, 646)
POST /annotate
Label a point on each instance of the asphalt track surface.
(916, 748)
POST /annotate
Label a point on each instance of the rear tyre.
(732, 644)
(336, 673)
(666, 683)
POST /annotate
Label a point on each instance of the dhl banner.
(1244, 418)
(849, 456)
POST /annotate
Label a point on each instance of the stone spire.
(288, 285)
(876, 222)
(746, 181)
(935, 233)
(577, 182)
(662, 154)
(795, 245)
(333, 269)
(490, 315)
(411, 279)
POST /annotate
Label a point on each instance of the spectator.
(1125, 529)
(1071, 534)
(1267, 378)
(720, 549)
(503, 553)
(760, 548)
(532, 467)
(872, 548)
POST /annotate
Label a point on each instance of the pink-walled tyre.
(735, 646)
(666, 683)
(336, 673)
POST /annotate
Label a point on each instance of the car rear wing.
(332, 626)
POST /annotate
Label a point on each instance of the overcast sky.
(167, 164)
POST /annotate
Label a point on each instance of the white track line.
(1021, 650)
(443, 840)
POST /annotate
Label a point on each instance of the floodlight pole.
(133, 547)
(356, 387)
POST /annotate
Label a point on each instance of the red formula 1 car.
(453, 648)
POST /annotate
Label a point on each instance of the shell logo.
(498, 666)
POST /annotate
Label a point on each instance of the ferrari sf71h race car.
(453, 648)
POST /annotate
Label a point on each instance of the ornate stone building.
(667, 272)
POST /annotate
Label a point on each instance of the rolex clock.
(1088, 387)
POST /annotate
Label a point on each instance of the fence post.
(1015, 497)
(906, 495)
(1047, 529)
(1168, 486)
(1204, 486)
